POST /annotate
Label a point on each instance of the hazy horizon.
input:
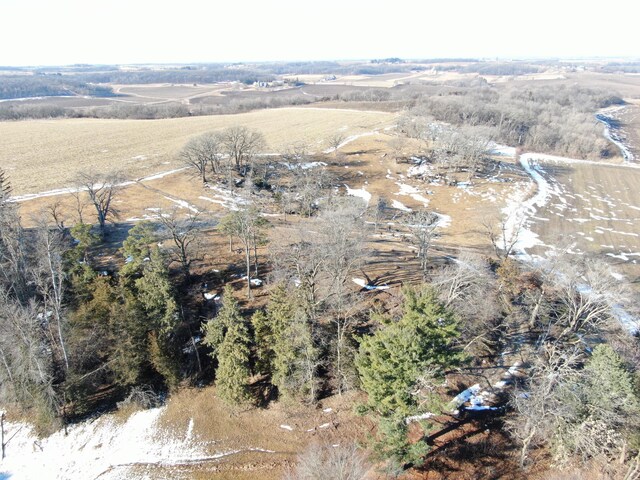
(69, 32)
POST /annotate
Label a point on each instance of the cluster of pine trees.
(71, 334)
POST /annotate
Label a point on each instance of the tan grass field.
(227, 429)
(41, 155)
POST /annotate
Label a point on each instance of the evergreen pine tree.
(611, 397)
(215, 329)
(269, 328)
(390, 361)
(392, 442)
(228, 337)
(263, 338)
(129, 339)
(296, 357)
(233, 373)
(156, 298)
(609, 384)
(85, 239)
(163, 357)
(135, 248)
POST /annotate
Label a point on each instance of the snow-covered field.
(561, 203)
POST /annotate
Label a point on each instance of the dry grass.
(41, 155)
(227, 429)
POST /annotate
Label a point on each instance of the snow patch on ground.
(406, 189)
(420, 170)
(400, 206)
(360, 192)
(49, 193)
(444, 221)
(413, 192)
(226, 198)
(416, 418)
(104, 448)
(520, 209)
(183, 204)
(303, 166)
(501, 150)
(156, 176)
(612, 131)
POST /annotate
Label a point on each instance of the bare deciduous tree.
(330, 462)
(26, 374)
(587, 293)
(467, 285)
(544, 401)
(335, 142)
(184, 233)
(308, 186)
(242, 143)
(49, 276)
(57, 214)
(204, 153)
(342, 231)
(246, 224)
(13, 260)
(397, 145)
(379, 211)
(505, 237)
(423, 225)
(102, 189)
(300, 264)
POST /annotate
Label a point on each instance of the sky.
(61, 32)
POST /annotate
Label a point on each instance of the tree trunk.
(6, 366)
(102, 223)
(339, 356)
(2, 434)
(534, 312)
(247, 251)
(57, 306)
(255, 256)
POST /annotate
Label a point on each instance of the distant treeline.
(24, 86)
(176, 110)
(148, 112)
(492, 68)
(621, 67)
(181, 75)
(556, 119)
